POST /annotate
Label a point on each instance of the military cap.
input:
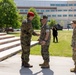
(73, 21)
(30, 14)
(43, 17)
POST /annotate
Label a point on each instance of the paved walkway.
(58, 66)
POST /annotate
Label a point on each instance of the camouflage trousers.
(25, 53)
(45, 52)
(25, 44)
(74, 56)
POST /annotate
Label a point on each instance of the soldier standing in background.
(26, 34)
(73, 23)
(45, 42)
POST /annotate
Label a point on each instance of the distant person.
(68, 27)
(44, 40)
(26, 34)
(55, 34)
(73, 23)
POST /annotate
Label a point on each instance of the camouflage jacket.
(74, 38)
(44, 30)
(27, 30)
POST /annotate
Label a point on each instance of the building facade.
(63, 11)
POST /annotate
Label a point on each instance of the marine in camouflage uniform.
(26, 34)
(45, 48)
(74, 44)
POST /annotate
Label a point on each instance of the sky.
(46, 0)
(39, 2)
(49, 0)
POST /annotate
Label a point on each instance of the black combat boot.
(27, 65)
(22, 63)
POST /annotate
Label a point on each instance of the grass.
(62, 48)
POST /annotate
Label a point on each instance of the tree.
(52, 22)
(62, 23)
(36, 20)
(9, 16)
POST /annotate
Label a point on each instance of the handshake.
(42, 42)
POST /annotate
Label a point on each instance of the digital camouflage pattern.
(74, 38)
(26, 34)
(74, 44)
(45, 29)
(45, 52)
(45, 48)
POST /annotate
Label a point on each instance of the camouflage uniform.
(26, 34)
(45, 48)
(74, 45)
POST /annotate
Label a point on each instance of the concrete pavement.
(58, 66)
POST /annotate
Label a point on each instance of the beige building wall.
(62, 17)
(66, 20)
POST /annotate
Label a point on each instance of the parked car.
(59, 27)
(0, 30)
(10, 29)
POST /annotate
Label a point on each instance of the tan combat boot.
(73, 69)
(45, 65)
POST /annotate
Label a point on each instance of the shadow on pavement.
(45, 72)
(27, 71)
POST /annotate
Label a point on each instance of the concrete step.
(6, 36)
(10, 52)
(9, 40)
(9, 45)
(2, 34)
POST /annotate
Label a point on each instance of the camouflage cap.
(44, 17)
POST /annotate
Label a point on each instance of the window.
(52, 4)
(65, 10)
(64, 15)
(57, 4)
(74, 4)
(53, 15)
(47, 10)
(42, 10)
(70, 4)
(70, 9)
(75, 15)
(26, 10)
(59, 15)
(49, 15)
(21, 10)
(53, 10)
(37, 10)
(74, 9)
(63, 4)
(59, 10)
(66, 4)
(70, 15)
